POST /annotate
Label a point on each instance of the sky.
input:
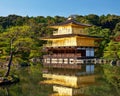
(59, 7)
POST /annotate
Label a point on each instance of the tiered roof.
(71, 22)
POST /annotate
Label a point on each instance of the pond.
(28, 85)
(30, 78)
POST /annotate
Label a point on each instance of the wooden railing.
(77, 61)
(70, 61)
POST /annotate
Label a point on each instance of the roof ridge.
(71, 20)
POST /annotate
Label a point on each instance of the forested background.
(106, 26)
(23, 36)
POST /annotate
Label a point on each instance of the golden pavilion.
(63, 63)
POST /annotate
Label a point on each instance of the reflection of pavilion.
(66, 49)
(70, 82)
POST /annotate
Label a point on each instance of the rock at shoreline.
(8, 80)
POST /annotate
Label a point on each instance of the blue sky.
(59, 7)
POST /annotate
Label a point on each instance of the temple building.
(70, 44)
(63, 63)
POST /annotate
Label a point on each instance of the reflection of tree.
(7, 91)
(108, 83)
(4, 91)
(28, 85)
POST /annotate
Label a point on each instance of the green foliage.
(117, 29)
(98, 31)
(112, 51)
(105, 37)
(93, 19)
(22, 44)
(109, 21)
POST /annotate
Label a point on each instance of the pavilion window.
(87, 52)
(92, 52)
(89, 68)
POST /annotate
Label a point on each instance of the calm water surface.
(28, 85)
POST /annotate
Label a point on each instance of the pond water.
(28, 85)
(30, 78)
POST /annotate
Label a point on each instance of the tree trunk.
(9, 64)
(10, 60)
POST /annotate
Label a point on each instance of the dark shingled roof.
(72, 21)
